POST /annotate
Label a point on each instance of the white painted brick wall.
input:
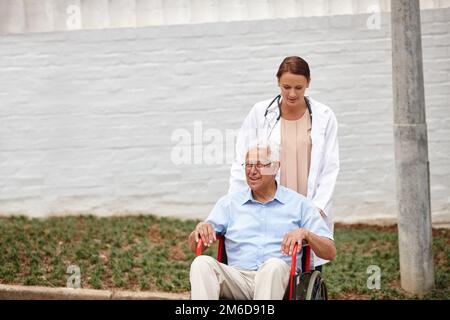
(86, 117)
(18, 16)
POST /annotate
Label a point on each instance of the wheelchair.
(305, 285)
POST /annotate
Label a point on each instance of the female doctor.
(305, 131)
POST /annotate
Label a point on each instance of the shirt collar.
(279, 195)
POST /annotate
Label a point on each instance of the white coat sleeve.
(237, 173)
(326, 179)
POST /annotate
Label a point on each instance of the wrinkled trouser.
(211, 280)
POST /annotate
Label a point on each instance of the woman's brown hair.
(295, 65)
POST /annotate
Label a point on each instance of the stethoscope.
(277, 99)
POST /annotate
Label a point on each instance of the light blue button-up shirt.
(254, 230)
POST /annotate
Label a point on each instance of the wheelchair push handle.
(198, 251)
(307, 254)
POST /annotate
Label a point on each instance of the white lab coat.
(324, 165)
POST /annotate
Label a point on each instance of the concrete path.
(18, 292)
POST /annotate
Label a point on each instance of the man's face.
(259, 170)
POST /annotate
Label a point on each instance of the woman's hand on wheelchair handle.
(291, 238)
(206, 232)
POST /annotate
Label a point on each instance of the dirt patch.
(442, 233)
(395, 284)
(437, 232)
(154, 234)
(380, 246)
(440, 259)
(346, 247)
(177, 254)
(104, 256)
(360, 226)
(352, 296)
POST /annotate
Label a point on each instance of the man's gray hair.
(273, 149)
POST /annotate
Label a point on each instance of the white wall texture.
(89, 119)
(17, 16)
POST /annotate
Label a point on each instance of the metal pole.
(411, 149)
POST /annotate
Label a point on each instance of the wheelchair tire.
(310, 286)
(317, 290)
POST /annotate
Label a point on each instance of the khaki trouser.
(211, 280)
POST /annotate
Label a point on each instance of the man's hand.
(291, 238)
(204, 231)
(323, 247)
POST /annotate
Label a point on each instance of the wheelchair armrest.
(220, 251)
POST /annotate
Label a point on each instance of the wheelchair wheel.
(317, 290)
(311, 286)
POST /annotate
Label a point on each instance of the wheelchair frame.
(306, 285)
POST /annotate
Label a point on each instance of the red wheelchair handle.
(220, 252)
(307, 254)
(199, 247)
(293, 269)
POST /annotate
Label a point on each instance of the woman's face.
(293, 88)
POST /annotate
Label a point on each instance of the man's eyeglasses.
(259, 165)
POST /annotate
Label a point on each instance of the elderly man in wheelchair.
(262, 227)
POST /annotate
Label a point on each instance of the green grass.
(360, 246)
(149, 253)
(135, 253)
